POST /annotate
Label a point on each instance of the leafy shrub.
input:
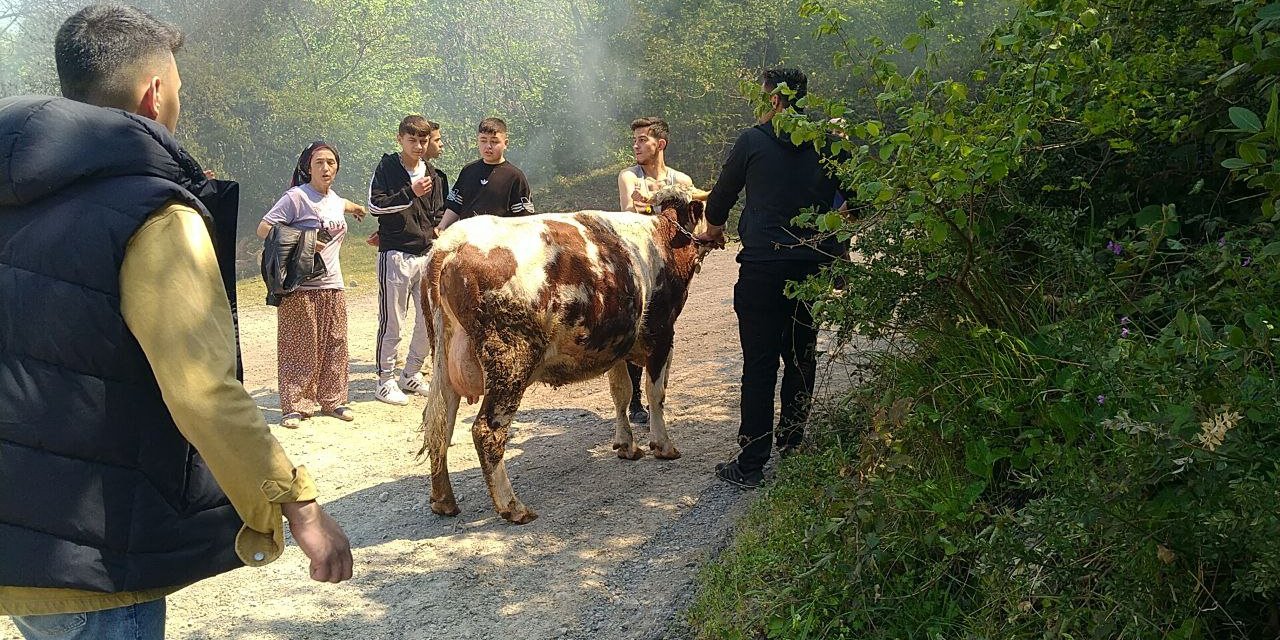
(1072, 252)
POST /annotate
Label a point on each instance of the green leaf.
(1250, 153)
(1232, 71)
(1206, 329)
(1245, 119)
(913, 42)
(1270, 12)
(1235, 337)
(978, 458)
(1266, 66)
(1235, 163)
(829, 221)
(1150, 215)
(1272, 249)
(1181, 322)
(1089, 18)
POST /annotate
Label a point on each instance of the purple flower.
(1101, 399)
(1115, 247)
(1222, 242)
(1124, 333)
(1246, 261)
(1124, 320)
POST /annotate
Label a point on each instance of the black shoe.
(639, 415)
(734, 474)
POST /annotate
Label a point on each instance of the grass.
(760, 579)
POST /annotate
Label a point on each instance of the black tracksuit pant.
(772, 327)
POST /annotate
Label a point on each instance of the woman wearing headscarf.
(312, 320)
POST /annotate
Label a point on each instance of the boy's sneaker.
(390, 393)
(413, 384)
(734, 474)
(639, 415)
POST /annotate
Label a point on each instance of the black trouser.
(772, 326)
(635, 371)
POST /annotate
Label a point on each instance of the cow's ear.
(694, 215)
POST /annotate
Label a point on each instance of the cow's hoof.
(629, 451)
(523, 515)
(449, 508)
(664, 453)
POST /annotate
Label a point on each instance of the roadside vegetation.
(1071, 249)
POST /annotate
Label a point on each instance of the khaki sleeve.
(173, 302)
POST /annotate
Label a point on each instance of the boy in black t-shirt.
(491, 185)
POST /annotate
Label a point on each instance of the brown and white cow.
(555, 298)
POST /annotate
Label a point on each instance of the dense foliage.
(1072, 253)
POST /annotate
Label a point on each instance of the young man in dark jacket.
(782, 179)
(132, 460)
(406, 195)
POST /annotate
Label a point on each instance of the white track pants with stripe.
(400, 277)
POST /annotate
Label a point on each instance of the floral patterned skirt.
(311, 342)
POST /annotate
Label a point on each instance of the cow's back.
(571, 286)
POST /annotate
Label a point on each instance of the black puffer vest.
(98, 489)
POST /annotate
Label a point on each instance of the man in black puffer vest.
(132, 460)
(782, 179)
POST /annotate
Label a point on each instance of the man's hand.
(712, 235)
(421, 186)
(209, 174)
(320, 537)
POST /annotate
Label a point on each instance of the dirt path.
(613, 554)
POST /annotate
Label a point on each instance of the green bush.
(1072, 255)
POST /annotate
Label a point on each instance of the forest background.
(263, 79)
(1063, 297)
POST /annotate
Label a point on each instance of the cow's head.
(676, 202)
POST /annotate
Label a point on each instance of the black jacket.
(782, 180)
(289, 258)
(405, 221)
(98, 489)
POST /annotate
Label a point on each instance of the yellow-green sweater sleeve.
(173, 301)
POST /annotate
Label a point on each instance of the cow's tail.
(442, 400)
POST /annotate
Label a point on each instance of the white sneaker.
(413, 384)
(389, 393)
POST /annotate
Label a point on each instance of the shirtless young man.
(650, 173)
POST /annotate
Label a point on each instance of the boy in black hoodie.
(782, 180)
(406, 195)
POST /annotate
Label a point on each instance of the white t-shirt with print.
(305, 208)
